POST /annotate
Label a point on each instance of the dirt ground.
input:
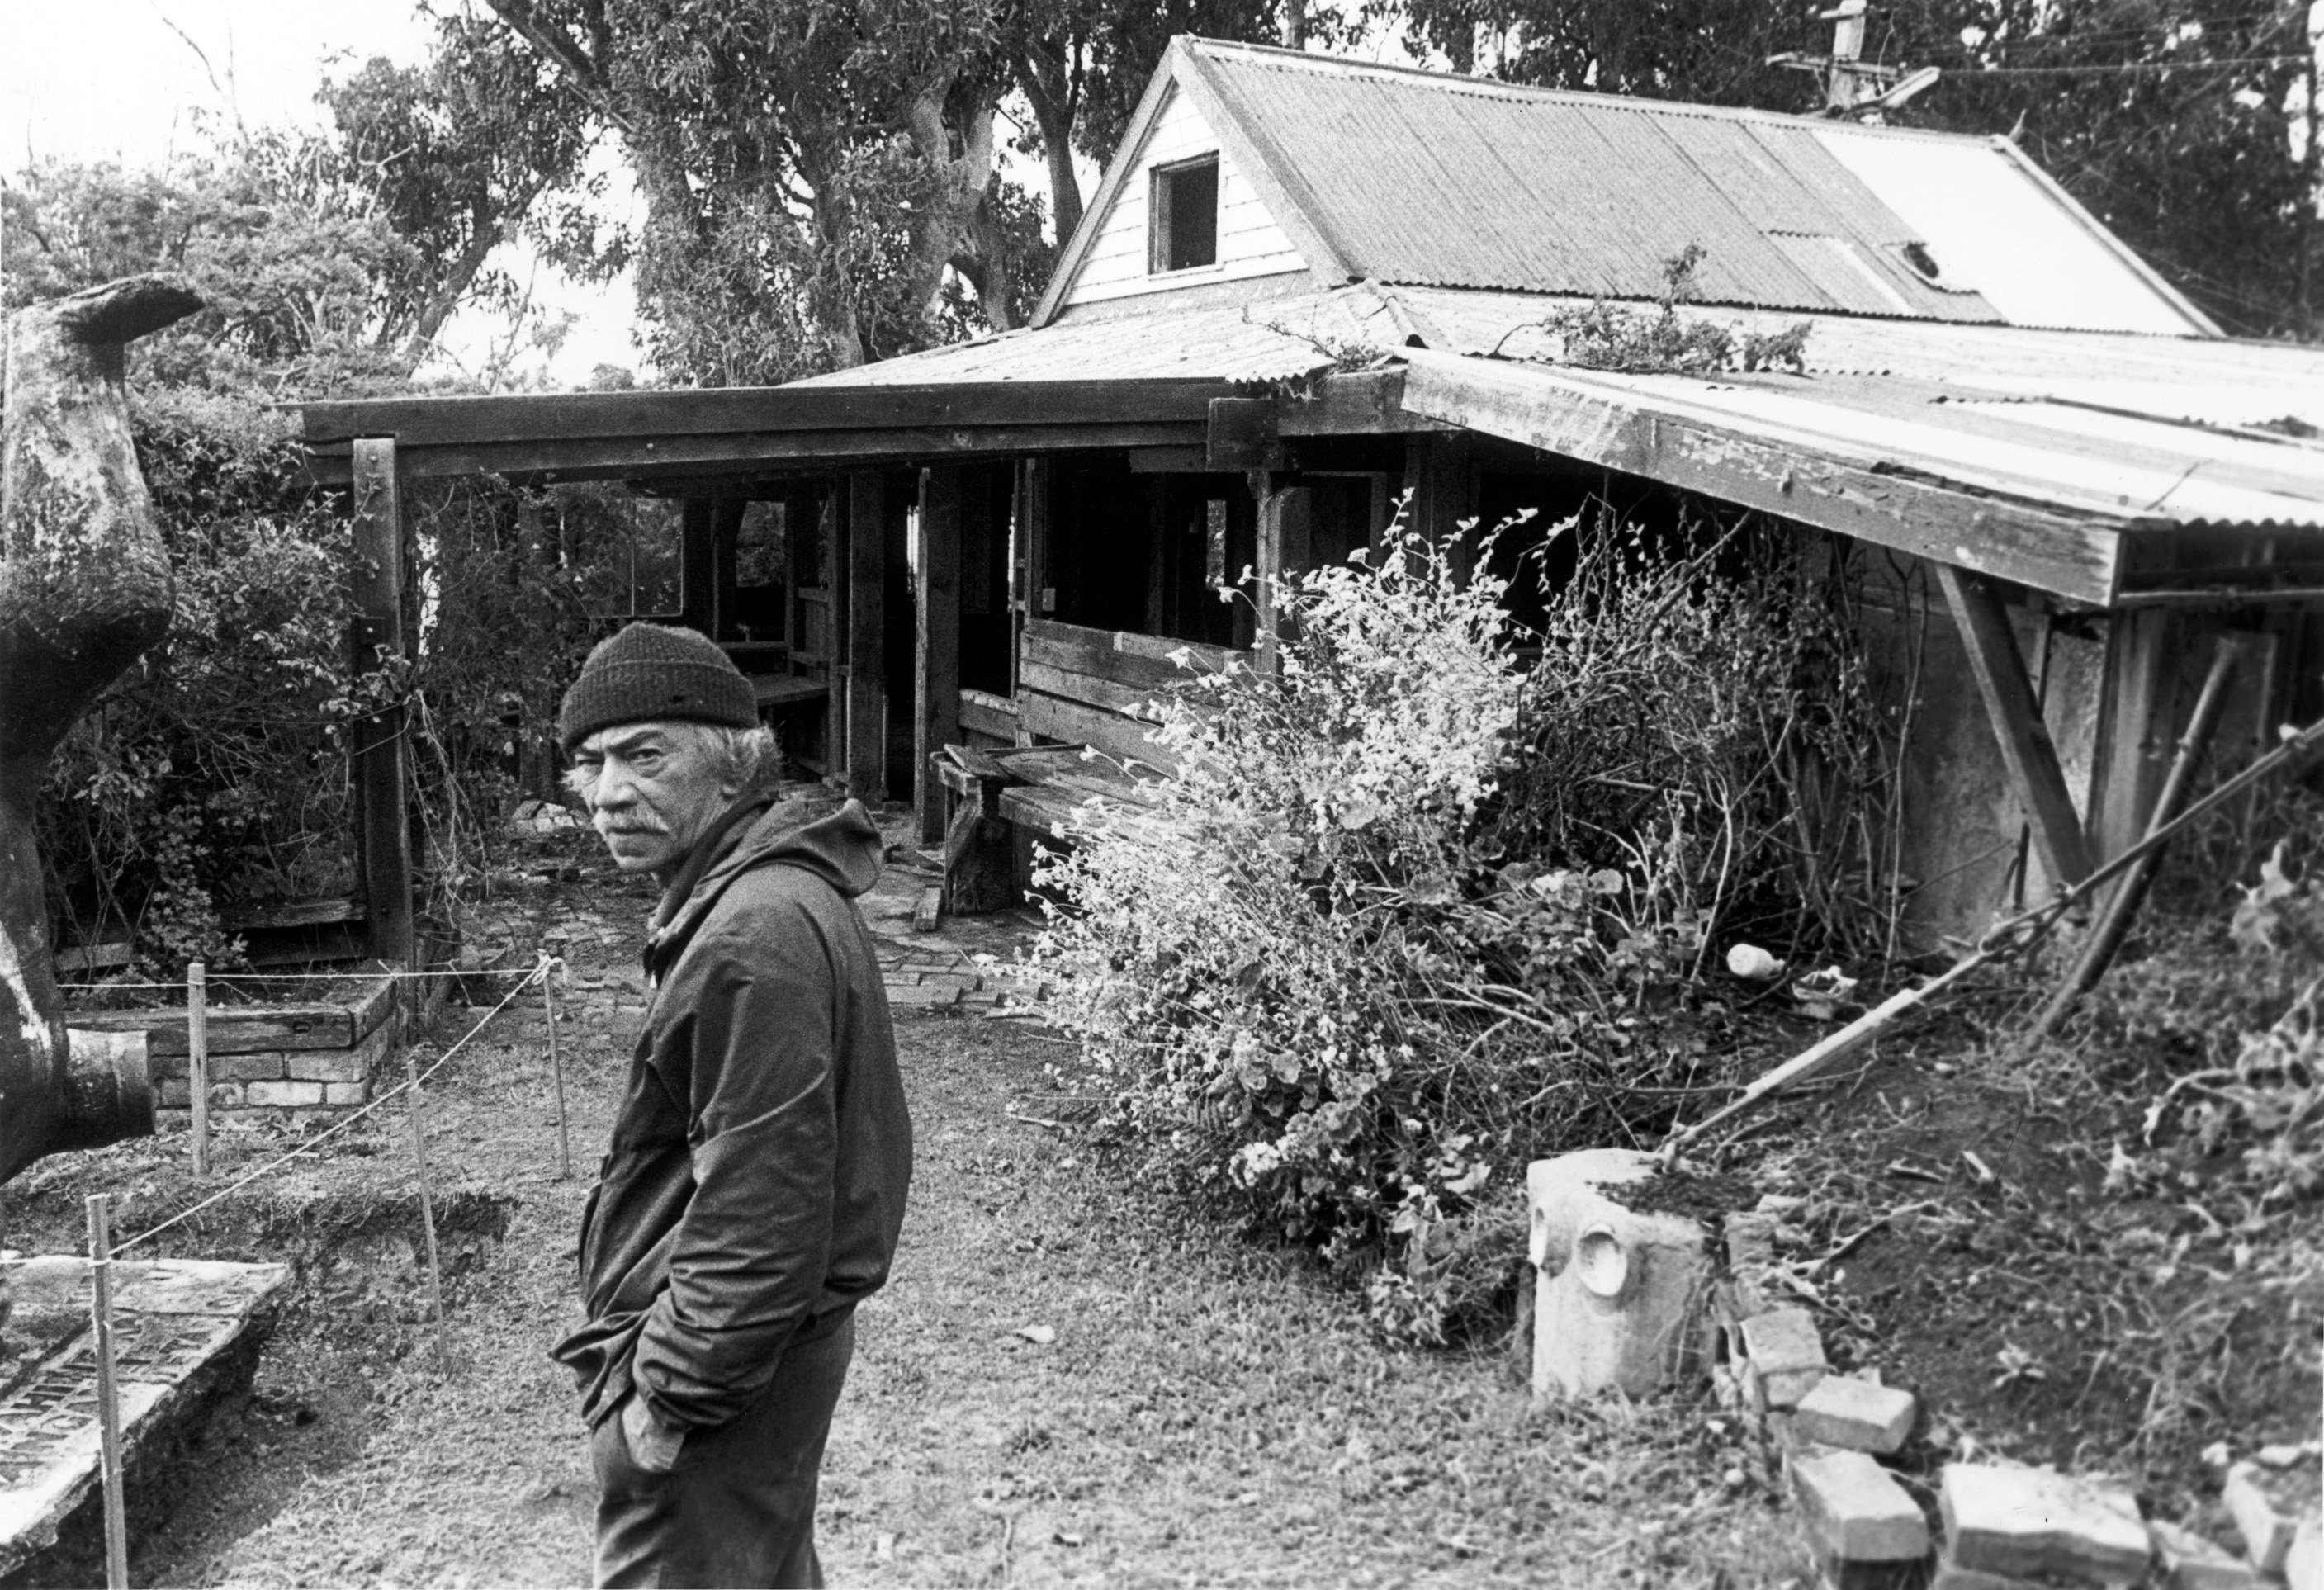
(1207, 1411)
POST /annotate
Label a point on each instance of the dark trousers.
(738, 1508)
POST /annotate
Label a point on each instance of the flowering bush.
(1364, 955)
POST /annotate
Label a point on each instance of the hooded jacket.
(756, 1180)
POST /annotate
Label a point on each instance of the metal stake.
(557, 1068)
(426, 1204)
(198, 1061)
(108, 1396)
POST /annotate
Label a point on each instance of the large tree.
(85, 587)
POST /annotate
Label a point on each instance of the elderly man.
(756, 1182)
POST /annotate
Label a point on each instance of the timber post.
(2135, 726)
(2027, 753)
(865, 712)
(936, 611)
(1439, 473)
(382, 757)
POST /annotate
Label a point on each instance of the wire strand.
(539, 969)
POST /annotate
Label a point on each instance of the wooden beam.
(2026, 751)
(1369, 403)
(937, 607)
(2135, 726)
(1273, 508)
(646, 457)
(1645, 435)
(697, 566)
(1438, 473)
(467, 421)
(865, 713)
(381, 765)
(1242, 436)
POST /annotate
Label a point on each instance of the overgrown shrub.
(1419, 908)
(208, 772)
(213, 777)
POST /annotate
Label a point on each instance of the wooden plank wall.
(1094, 686)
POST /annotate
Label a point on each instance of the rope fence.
(103, 1251)
(411, 1082)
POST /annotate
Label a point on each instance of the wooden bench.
(992, 795)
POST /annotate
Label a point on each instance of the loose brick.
(329, 1066)
(1786, 1354)
(2191, 1562)
(284, 1096)
(257, 1067)
(1951, 1575)
(1843, 1411)
(2263, 1506)
(2303, 1565)
(1856, 1510)
(1750, 1240)
(2032, 1521)
(346, 1093)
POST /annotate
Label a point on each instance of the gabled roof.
(1392, 175)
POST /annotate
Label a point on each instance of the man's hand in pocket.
(653, 1446)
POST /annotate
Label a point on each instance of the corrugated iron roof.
(2124, 428)
(2206, 380)
(1431, 179)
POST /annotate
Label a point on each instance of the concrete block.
(2265, 1504)
(2191, 1562)
(1620, 1298)
(325, 1064)
(1951, 1575)
(2028, 1521)
(256, 1068)
(1750, 1240)
(283, 1095)
(1843, 1412)
(342, 1094)
(1785, 1352)
(1855, 1510)
(2303, 1565)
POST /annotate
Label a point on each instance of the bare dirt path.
(1206, 1411)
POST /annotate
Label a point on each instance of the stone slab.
(172, 1319)
(2026, 1521)
(1855, 1510)
(1841, 1410)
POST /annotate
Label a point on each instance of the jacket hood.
(843, 848)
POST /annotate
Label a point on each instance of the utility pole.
(1853, 86)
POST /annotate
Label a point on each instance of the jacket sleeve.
(749, 1254)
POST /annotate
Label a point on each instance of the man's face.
(653, 789)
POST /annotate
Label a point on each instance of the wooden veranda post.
(1438, 473)
(2027, 750)
(866, 715)
(937, 607)
(2135, 726)
(382, 756)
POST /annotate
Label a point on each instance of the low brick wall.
(268, 1061)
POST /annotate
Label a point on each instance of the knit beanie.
(646, 672)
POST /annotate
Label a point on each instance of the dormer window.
(1185, 216)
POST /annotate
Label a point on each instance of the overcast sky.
(88, 81)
